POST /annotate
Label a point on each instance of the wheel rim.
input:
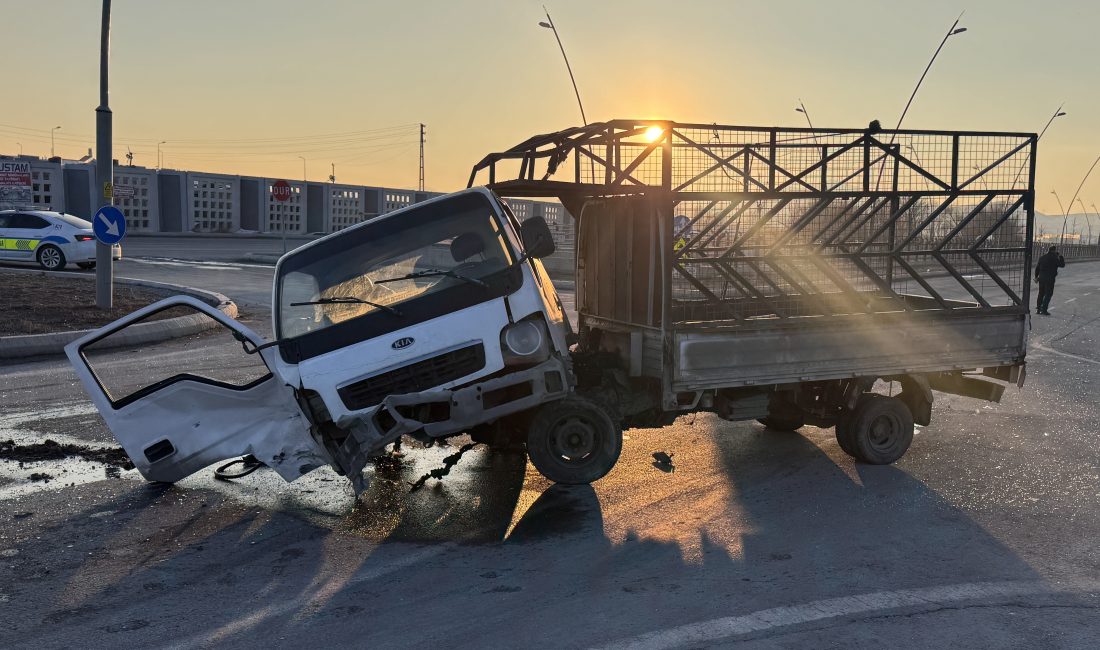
(51, 258)
(883, 433)
(574, 439)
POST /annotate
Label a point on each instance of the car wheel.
(51, 258)
(573, 441)
(879, 430)
(86, 265)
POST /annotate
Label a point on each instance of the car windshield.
(380, 266)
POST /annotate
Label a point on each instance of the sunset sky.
(248, 87)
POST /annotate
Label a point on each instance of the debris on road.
(663, 461)
(440, 472)
(40, 476)
(52, 450)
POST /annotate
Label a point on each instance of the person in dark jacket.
(1045, 273)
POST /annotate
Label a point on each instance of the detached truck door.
(180, 405)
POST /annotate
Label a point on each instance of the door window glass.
(129, 365)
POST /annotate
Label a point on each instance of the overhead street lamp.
(158, 152)
(303, 168)
(1062, 240)
(1058, 112)
(802, 109)
(1087, 220)
(549, 24)
(1078, 191)
(20, 148)
(952, 31)
(52, 132)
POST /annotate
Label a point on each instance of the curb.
(53, 343)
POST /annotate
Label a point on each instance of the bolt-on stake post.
(104, 166)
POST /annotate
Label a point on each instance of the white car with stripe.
(50, 239)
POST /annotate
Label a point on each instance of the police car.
(52, 239)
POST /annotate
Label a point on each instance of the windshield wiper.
(427, 273)
(346, 300)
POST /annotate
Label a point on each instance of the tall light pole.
(52, 132)
(1078, 191)
(549, 24)
(104, 167)
(1062, 239)
(1087, 220)
(303, 168)
(1097, 212)
(802, 109)
(158, 152)
(953, 30)
(20, 148)
(1058, 112)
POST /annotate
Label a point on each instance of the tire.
(86, 265)
(51, 258)
(878, 431)
(843, 434)
(573, 441)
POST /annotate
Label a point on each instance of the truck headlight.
(525, 342)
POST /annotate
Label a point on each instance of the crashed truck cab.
(429, 321)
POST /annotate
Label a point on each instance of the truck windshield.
(384, 270)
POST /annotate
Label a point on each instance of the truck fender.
(917, 395)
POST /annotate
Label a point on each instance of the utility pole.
(104, 164)
(421, 186)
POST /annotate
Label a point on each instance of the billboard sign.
(15, 182)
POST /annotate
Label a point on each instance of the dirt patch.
(52, 450)
(37, 303)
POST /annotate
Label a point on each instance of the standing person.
(1045, 273)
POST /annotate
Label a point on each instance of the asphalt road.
(983, 535)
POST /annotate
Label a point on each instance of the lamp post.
(1087, 220)
(1062, 239)
(158, 152)
(549, 24)
(52, 132)
(802, 109)
(303, 168)
(1078, 191)
(952, 31)
(1058, 112)
(20, 148)
(104, 165)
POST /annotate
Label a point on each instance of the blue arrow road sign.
(109, 225)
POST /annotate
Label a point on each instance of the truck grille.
(414, 378)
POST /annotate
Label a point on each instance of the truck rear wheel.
(573, 441)
(878, 431)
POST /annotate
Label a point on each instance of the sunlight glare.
(653, 132)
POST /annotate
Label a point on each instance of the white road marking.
(210, 266)
(1070, 300)
(1078, 357)
(778, 617)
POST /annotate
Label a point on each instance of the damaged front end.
(354, 440)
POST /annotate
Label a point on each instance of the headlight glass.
(523, 339)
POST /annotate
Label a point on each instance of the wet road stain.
(48, 450)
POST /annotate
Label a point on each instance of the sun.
(653, 132)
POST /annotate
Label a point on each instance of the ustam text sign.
(15, 182)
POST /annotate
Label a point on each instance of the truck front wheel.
(573, 441)
(878, 431)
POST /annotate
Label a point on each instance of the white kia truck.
(430, 321)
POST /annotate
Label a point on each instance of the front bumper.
(439, 413)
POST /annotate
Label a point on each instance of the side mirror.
(537, 239)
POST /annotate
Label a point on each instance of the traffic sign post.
(104, 168)
(109, 226)
(280, 191)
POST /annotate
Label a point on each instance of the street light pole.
(1058, 112)
(20, 148)
(1061, 239)
(1088, 221)
(52, 132)
(104, 167)
(158, 152)
(953, 30)
(1082, 184)
(303, 168)
(549, 24)
(802, 109)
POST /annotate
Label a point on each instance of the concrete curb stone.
(33, 345)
